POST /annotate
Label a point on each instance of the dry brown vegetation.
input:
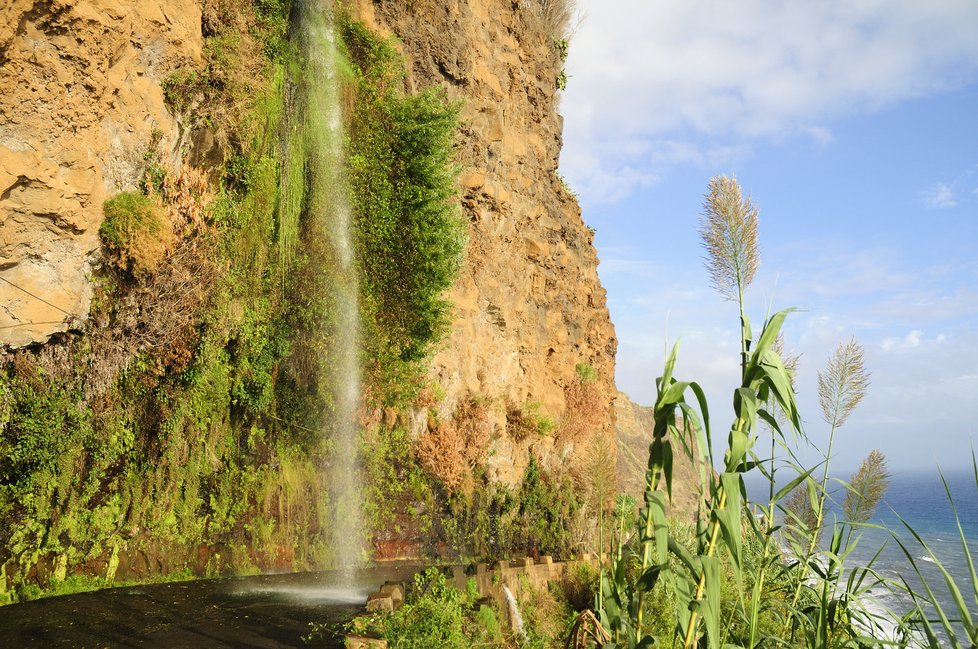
(455, 447)
(519, 423)
(585, 414)
(556, 16)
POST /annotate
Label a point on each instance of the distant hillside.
(633, 425)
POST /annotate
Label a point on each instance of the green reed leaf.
(729, 518)
(710, 604)
(785, 490)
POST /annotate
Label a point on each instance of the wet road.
(269, 611)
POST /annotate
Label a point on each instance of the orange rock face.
(529, 306)
(82, 103)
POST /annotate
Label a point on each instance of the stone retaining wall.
(491, 581)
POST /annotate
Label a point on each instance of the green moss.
(586, 373)
(136, 232)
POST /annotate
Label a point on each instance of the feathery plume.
(843, 383)
(866, 488)
(728, 228)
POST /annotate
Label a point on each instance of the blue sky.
(855, 128)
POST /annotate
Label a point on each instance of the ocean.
(919, 498)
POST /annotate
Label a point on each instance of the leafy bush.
(547, 504)
(410, 235)
(434, 615)
(136, 232)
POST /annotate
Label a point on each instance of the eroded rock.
(82, 104)
(529, 306)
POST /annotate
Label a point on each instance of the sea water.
(918, 498)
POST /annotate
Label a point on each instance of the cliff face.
(82, 103)
(86, 106)
(126, 453)
(530, 312)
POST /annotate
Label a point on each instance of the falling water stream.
(514, 612)
(329, 211)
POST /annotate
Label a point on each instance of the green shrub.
(586, 373)
(434, 615)
(136, 232)
(488, 631)
(410, 235)
(547, 504)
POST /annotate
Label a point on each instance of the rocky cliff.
(170, 416)
(530, 311)
(87, 108)
(82, 105)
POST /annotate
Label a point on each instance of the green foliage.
(271, 28)
(108, 445)
(43, 418)
(154, 177)
(410, 235)
(180, 87)
(488, 631)
(546, 505)
(397, 489)
(136, 232)
(586, 373)
(562, 80)
(562, 45)
(232, 75)
(491, 522)
(434, 615)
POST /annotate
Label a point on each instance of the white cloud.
(647, 73)
(947, 194)
(941, 196)
(820, 135)
(910, 341)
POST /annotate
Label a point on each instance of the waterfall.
(514, 612)
(329, 212)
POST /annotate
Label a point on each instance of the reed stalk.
(841, 387)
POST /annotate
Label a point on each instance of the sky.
(854, 127)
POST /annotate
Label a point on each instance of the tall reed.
(777, 600)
